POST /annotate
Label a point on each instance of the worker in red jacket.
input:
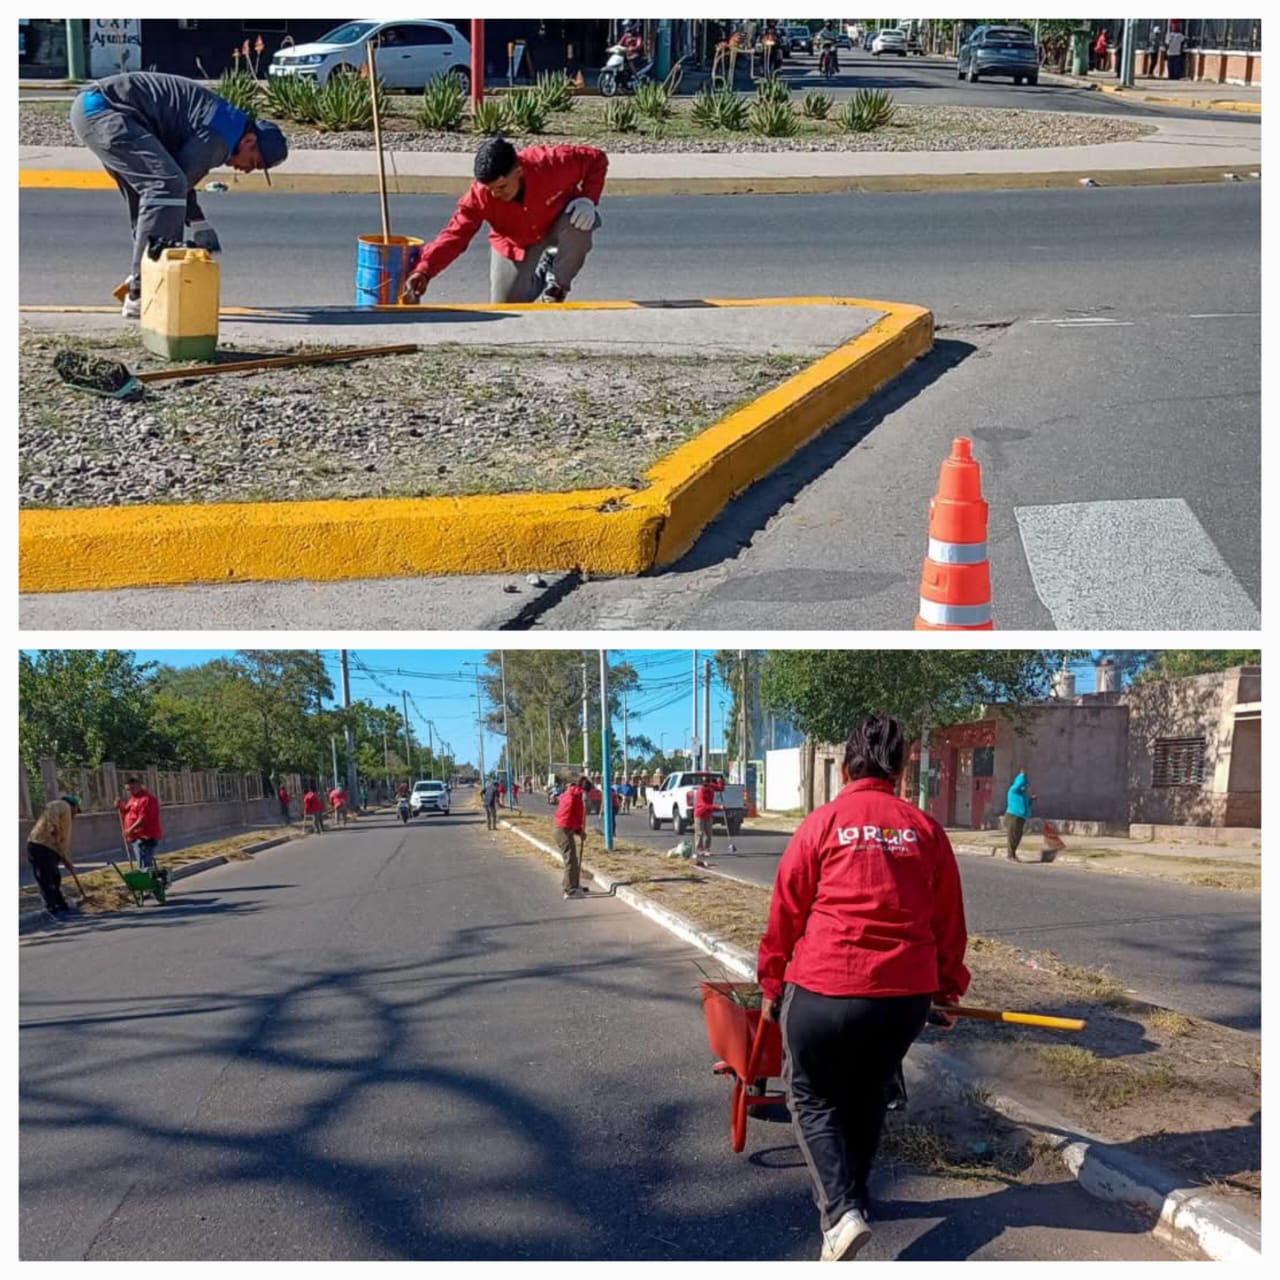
(313, 809)
(705, 803)
(866, 930)
(140, 822)
(571, 829)
(540, 204)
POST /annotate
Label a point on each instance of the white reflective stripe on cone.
(957, 552)
(954, 615)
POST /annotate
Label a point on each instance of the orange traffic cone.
(955, 585)
(579, 81)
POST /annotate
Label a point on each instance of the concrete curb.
(1159, 99)
(605, 531)
(1187, 1217)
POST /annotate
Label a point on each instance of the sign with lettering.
(115, 45)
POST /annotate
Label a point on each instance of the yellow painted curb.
(67, 179)
(606, 531)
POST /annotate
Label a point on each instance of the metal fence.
(100, 788)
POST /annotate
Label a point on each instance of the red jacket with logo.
(143, 809)
(704, 800)
(571, 811)
(311, 803)
(866, 902)
(553, 176)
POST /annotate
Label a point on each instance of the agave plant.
(488, 116)
(773, 89)
(620, 115)
(653, 101)
(292, 98)
(342, 104)
(556, 91)
(702, 110)
(240, 88)
(817, 106)
(773, 119)
(731, 111)
(867, 110)
(444, 104)
(525, 112)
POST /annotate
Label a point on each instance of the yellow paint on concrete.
(606, 531)
(67, 179)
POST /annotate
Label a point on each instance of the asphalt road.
(1101, 346)
(402, 1043)
(1195, 950)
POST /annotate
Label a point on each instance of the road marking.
(1140, 565)
(1223, 315)
(1085, 322)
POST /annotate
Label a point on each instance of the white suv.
(429, 796)
(410, 52)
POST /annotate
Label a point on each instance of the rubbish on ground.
(113, 379)
(683, 850)
(510, 588)
(1087, 182)
(534, 580)
(216, 186)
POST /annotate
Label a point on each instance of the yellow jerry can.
(180, 304)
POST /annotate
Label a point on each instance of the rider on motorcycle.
(632, 44)
(826, 42)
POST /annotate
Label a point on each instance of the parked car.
(410, 52)
(999, 51)
(890, 40)
(430, 795)
(914, 43)
(868, 39)
(801, 39)
(843, 41)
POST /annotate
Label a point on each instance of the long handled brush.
(114, 380)
(1005, 1015)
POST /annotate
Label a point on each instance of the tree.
(823, 692)
(1174, 663)
(84, 706)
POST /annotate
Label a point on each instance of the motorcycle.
(617, 75)
(828, 64)
(402, 808)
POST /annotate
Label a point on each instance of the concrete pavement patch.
(609, 531)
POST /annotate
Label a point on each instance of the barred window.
(1177, 762)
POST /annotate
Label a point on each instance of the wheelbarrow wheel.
(738, 1117)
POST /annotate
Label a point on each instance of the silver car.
(410, 52)
(999, 51)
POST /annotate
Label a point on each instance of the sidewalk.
(1172, 145)
(1190, 94)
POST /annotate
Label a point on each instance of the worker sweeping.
(49, 849)
(541, 207)
(158, 136)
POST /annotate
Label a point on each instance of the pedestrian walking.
(1153, 50)
(158, 136)
(1017, 809)
(515, 795)
(1100, 51)
(1119, 54)
(1174, 43)
(866, 930)
(283, 796)
(338, 803)
(49, 850)
(490, 797)
(364, 798)
(704, 813)
(571, 830)
(540, 204)
(313, 811)
(140, 821)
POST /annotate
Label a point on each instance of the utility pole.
(746, 716)
(408, 751)
(480, 726)
(549, 752)
(386, 755)
(693, 733)
(586, 735)
(333, 747)
(506, 741)
(624, 735)
(353, 788)
(1127, 55)
(706, 714)
(431, 747)
(606, 806)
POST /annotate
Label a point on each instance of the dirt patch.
(450, 420)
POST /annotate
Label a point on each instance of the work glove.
(203, 236)
(582, 214)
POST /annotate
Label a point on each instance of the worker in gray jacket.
(158, 136)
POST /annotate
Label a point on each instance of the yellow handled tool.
(1022, 1019)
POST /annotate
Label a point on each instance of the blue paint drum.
(382, 266)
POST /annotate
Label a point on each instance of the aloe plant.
(773, 119)
(525, 112)
(653, 101)
(342, 104)
(620, 116)
(773, 89)
(817, 106)
(730, 111)
(444, 104)
(556, 91)
(866, 111)
(241, 89)
(488, 117)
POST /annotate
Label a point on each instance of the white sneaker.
(845, 1240)
(131, 308)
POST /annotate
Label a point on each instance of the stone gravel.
(448, 420)
(914, 129)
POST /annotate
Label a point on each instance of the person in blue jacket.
(1017, 810)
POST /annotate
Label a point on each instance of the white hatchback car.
(410, 52)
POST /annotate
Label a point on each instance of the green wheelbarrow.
(141, 883)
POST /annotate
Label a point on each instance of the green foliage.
(444, 104)
(525, 112)
(730, 111)
(702, 110)
(653, 101)
(817, 106)
(866, 111)
(620, 115)
(343, 104)
(773, 119)
(81, 707)
(292, 98)
(823, 692)
(556, 91)
(773, 89)
(241, 89)
(488, 117)
(1174, 663)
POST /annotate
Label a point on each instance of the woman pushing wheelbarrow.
(866, 933)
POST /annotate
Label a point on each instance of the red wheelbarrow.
(747, 1048)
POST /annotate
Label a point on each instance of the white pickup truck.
(673, 802)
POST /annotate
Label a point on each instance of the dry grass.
(1107, 1084)
(1171, 1023)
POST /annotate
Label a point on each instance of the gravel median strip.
(44, 124)
(447, 421)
